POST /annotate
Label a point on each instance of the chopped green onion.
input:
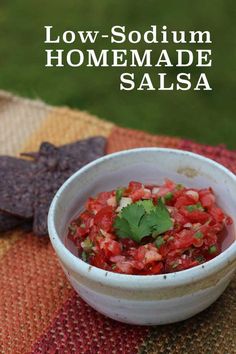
(200, 259)
(212, 249)
(171, 238)
(198, 234)
(195, 207)
(169, 196)
(119, 194)
(84, 256)
(72, 229)
(87, 244)
(175, 264)
(159, 241)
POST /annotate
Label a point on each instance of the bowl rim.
(109, 278)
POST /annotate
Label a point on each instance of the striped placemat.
(39, 311)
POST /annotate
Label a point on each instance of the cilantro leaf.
(147, 204)
(122, 227)
(140, 231)
(127, 224)
(160, 219)
(141, 219)
(133, 214)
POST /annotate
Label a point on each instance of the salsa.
(149, 229)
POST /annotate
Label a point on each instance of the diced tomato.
(179, 218)
(112, 248)
(193, 195)
(184, 239)
(199, 229)
(211, 239)
(156, 268)
(147, 254)
(99, 260)
(195, 216)
(139, 253)
(183, 200)
(127, 243)
(96, 204)
(104, 196)
(136, 191)
(198, 242)
(104, 218)
(134, 186)
(137, 195)
(147, 194)
(162, 192)
(187, 263)
(169, 184)
(125, 267)
(142, 193)
(207, 198)
(82, 231)
(228, 220)
(216, 213)
(93, 205)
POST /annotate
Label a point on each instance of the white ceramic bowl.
(155, 299)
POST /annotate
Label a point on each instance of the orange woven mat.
(39, 311)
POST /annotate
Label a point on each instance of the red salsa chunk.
(149, 229)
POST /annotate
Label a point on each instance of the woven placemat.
(39, 311)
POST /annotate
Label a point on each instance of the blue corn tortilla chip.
(9, 222)
(27, 187)
(54, 166)
(16, 187)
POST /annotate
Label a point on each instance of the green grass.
(203, 116)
